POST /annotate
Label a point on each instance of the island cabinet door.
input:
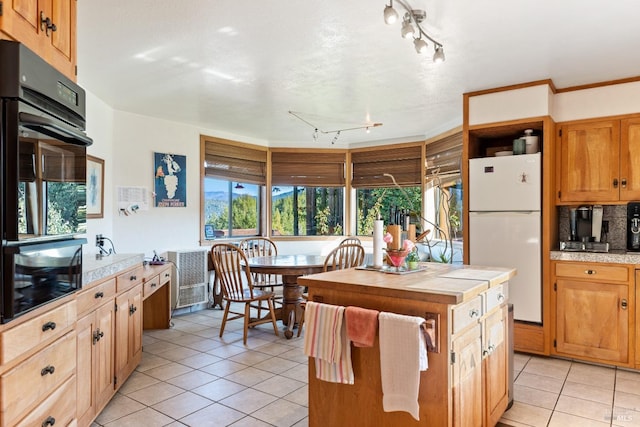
(495, 365)
(466, 365)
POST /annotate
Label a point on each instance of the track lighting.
(316, 129)
(411, 28)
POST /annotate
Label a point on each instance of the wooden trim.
(529, 338)
(204, 138)
(444, 135)
(600, 119)
(508, 88)
(599, 84)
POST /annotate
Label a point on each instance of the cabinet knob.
(47, 370)
(591, 272)
(623, 182)
(49, 421)
(624, 304)
(615, 182)
(473, 313)
(48, 325)
(500, 297)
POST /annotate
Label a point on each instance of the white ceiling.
(239, 66)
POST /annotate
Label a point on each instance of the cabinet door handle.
(624, 304)
(623, 182)
(132, 309)
(47, 370)
(132, 278)
(591, 272)
(46, 24)
(48, 325)
(99, 295)
(49, 421)
(615, 182)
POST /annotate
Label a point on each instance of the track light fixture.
(410, 21)
(316, 129)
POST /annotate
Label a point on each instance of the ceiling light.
(421, 45)
(438, 55)
(407, 29)
(411, 28)
(390, 14)
(239, 186)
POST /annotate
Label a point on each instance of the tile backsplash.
(616, 215)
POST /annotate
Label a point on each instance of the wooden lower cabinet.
(495, 365)
(467, 377)
(95, 367)
(593, 310)
(128, 341)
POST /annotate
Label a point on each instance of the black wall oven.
(42, 181)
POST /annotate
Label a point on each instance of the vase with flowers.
(397, 256)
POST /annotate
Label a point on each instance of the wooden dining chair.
(235, 278)
(347, 255)
(257, 247)
(350, 239)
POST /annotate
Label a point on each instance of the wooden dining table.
(290, 267)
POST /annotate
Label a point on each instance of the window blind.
(444, 156)
(370, 166)
(233, 162)
(311, 169)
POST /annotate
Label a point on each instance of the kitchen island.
(466, 382)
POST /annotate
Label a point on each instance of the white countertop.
(98, 267)
(615, 257)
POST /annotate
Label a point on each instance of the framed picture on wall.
(95, 187)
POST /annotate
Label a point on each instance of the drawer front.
(59, 408)
(129, 279)
(37, 377)
(150, 286)
(165, 276)
(593, 272)
(29, 334)
(464, 314)
(91, 298)
(494, 297)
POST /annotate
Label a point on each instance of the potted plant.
(413, 259)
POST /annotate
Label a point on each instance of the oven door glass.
(36, 274)
(51, 185)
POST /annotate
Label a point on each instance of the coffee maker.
(633, 226)
(585, 228)
(585, 223)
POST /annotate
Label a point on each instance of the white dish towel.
(326, 341)
(403, 354)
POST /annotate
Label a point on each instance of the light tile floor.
(190, 376)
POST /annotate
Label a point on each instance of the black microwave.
(42, 181)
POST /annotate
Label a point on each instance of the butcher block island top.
(466, 382)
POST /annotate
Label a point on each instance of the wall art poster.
(170, 180)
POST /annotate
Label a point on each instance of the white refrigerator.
(505, 223)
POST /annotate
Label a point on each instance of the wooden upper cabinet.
(31, 22)
(589, 161)
(630, 159)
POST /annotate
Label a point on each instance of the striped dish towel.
(326, 341)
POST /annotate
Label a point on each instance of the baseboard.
(529, 338)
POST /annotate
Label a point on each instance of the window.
(307, 198)
(376, 193)
(233, 190)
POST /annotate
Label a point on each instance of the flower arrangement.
(397, 256)
(413, 256)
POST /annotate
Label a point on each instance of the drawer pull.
(590, 272)
(48, 325)
(500, 297)
(624, 304)
(47, 370)
(134, 277)
(49, 421)
(99, 295)
(154, 284)
(473, 313)
(166, 274)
